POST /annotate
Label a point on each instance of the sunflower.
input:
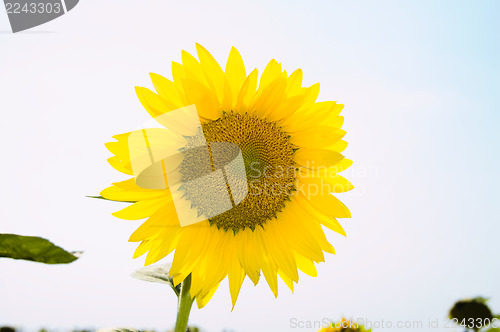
(278, 125)
(344, 325)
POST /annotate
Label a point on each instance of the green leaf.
(32, 248)
(157, 273)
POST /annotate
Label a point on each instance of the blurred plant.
(7, 329)
(189, 329)
(122, 329)
(474, 315)
(35, 249)
(344, 325)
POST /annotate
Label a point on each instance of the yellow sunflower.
(278, 125)
(344, 325)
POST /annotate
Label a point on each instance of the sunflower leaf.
(36, 249)
(157, 273)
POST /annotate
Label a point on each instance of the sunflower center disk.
(269, 169)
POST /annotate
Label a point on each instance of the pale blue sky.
(419, 80)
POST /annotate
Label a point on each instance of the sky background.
(420, 84)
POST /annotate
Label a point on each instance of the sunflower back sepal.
(107, 199)
(157, 273)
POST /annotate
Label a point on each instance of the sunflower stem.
(184, 306)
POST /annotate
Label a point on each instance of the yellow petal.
(312, 93)
(317, 158)
(116, 193)
(131, 185)
(213, 72)
(268, 99)
(247, 92)
(216, 271)
(310, 226)
(296, 234)
(178, 74)
(220, 264)
(323, 218)
(294, 83)
(338, 146)
(341, 166)
(227, 102)
(286, 108)
(236, 277)
(333, 225)
(140, 210)
(270, 73)
(286, 279)
(167, 90)
(319, 136)
(279, 250)
(120, 165)
(306, 265)
(202, 300)
(325, 172)
(246, 249)
(331, 183)
(206, 104)
(235, 73)
(327, 204)
(335, 122)
(151, 102)
(309, 116)
(269, 268)
(193, 69)
(142, 248)
(163, 246)
(198, 276)
(119, 149)
(333, 115)
(188, 251)
(163, 221)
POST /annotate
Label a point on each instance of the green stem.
(184, 306)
